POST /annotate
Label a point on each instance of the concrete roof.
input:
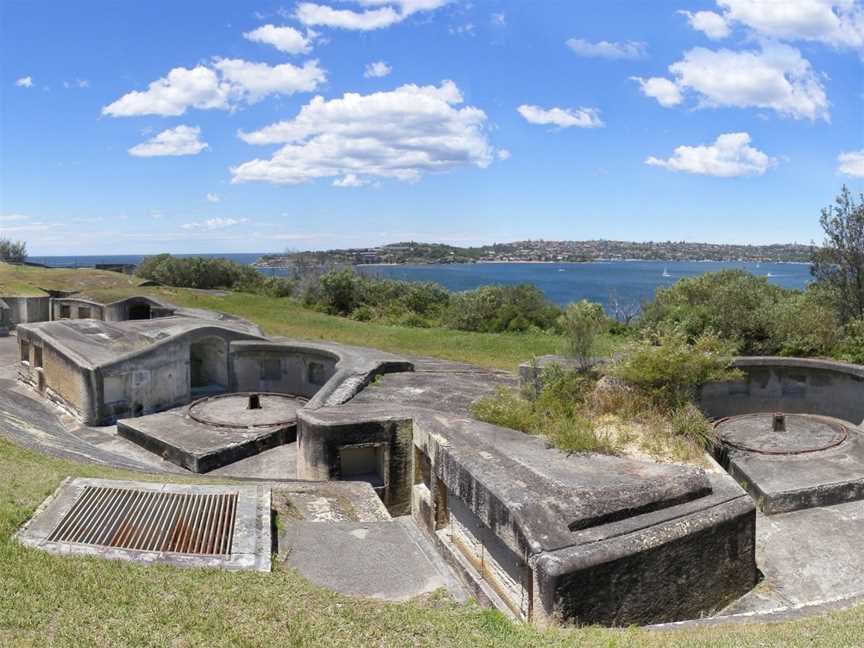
(95, 342)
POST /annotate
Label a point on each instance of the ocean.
(562, 283)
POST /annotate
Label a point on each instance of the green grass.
(48, 600)
(27, 280)
(284, 317)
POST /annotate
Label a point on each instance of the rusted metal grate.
(150, 520)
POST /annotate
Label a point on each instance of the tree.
(12, 251)
(838, 265)
(582, 323)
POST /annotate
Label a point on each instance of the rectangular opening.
(271, 369)
(364, 463)
(65, 311)
(422, 468)
(83, 312)
(37, 356)
(25, 350)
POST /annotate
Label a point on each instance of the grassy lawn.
(284, 317)
(48, 600)
(26, 280)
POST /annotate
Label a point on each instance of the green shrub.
(200, 272)
(12, 251)
(669, 369)
(497, 309)
(734, 304)
(851, 347)
(507, 409)
(689, 422)
(582, 322)
(805, 324)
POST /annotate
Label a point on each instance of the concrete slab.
(328, 502)
(384, 560)
(197, 446)
(787, 482)
(277, 463)
(807, 557)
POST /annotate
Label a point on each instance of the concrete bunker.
(537, 533)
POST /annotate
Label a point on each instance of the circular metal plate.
(232, 410)
(803, 434)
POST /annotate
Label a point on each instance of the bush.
(200, 272)
(805, 324)
(12, 251)
(498, 309)
(669, 369)
(582, 322)
(734, 304)
(851, 347)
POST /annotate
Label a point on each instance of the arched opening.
(139, 311)
(208, 366)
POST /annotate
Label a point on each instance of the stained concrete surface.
(807, 557)
(388, 560)
(200, 447)
(781, 483)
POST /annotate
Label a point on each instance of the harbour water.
(629, 281)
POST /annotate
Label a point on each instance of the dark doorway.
(208, 366)
(139, 311)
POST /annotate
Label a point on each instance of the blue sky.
(256, 127)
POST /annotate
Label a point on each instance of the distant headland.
(541, 251)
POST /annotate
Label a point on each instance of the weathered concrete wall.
(145, 384)
(676, 569)
(591, 539)
(59, 378)
(793, 385)
(5, 318)
(281, 368)
(72, 308)
(28, 309)
(318, 454)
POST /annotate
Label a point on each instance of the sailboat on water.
(666, 272)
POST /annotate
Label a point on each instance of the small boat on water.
(666, 272)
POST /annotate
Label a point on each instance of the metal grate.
(149, 520)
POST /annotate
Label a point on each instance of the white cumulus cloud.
(605, 49)
(561, 117)
(730, 156)
(213, 198)
(373, 14)
(221, 85)
(24, 82)
(851, 163)
(663, 90)
(182, 140)
(377, 70)
(212, 224)
(402, 134)
(713, 25)
(775, 77)
(349, 180)
(285, 39)
(839, 23)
